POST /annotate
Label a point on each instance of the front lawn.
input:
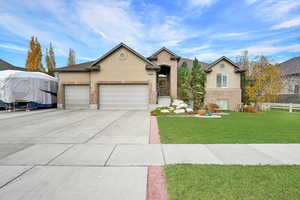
(213, 182)
(245, 128)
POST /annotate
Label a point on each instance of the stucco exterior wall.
(233, 96)
(113, 70)
(123, 70)
(234, 80)
(232, 93)
(164, 58)
(289, 84)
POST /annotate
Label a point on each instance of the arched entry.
(164, 80)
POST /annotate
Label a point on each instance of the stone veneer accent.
(232, 95)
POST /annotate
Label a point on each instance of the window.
(296, 90)
(223, 104)
(222, 65)
(222, 80)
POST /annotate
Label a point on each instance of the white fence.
(284, 106)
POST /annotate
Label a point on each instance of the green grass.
(212, 182)
(244, 128)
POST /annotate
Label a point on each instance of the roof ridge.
(117, 47)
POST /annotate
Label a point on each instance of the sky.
(205, 29)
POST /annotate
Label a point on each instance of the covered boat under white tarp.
(36, 88)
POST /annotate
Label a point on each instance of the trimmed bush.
(212, 107)
(249, 109)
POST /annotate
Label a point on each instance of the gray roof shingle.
(291, 66)
(189, 63)
(6, 66)
(82, 67)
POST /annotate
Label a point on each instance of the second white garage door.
(77, 97)
(123, 97)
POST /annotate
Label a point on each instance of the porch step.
(164, 101)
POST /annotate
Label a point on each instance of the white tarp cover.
(16, 86)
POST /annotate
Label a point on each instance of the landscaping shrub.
(249, 109)
(212, 107)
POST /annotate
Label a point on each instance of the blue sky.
(206, 29)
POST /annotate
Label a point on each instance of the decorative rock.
(182, 105)
(171, 108)
(189, 110)
(165, 111)
(179, 111)
(177, 102)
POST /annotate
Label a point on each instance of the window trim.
(225, 100)
(222, 80)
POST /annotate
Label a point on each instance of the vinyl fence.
(283, 106)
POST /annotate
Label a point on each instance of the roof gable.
(237, 69)
(154, 55)
(115, 49)
(92, 66)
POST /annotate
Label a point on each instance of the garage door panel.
(77, 97)
(123, 97)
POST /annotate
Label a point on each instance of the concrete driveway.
(63, 154)
(88, 154)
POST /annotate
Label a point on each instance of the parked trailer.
(27, 90)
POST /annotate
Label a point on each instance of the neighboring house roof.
(236, 67)
(6, 66)
(189, 63)
(291, 66)
(92, 66)
(173, 55)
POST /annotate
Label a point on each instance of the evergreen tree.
(34, 56)
(50, 60)
(184, 82)
(71, 58)
(198, 78)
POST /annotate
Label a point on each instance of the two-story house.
(124, 79)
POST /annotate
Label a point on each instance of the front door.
(164, 86)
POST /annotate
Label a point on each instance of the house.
(223, 84)
(291, 76)
(6, 66)
(124, 79)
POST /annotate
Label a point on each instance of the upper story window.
(222, 80)
(297, 89)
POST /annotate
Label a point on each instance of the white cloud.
(273, 10)
(111, 20)
(266, 48)
(200, 3)
(251, 1)
(13, 47)
(194, 50)
(86, 58)
(288, 24)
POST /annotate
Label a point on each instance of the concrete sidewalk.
(142, 155)
(109, 171)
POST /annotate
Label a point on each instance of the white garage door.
(123, 97)
(77, 97)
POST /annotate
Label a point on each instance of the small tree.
(198, 78)
(184, 82)
(50, 60)
(71, 58)
(266, 81)
(34, 56)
